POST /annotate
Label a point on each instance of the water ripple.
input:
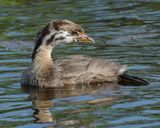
(125, 31)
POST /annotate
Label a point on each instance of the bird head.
(70, 32)
(60, 31)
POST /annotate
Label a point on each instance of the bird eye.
(74, 33)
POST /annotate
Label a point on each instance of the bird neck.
(42, 63)
(42, 52)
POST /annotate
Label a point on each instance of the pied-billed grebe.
(72, 70)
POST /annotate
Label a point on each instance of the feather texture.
(72, 70)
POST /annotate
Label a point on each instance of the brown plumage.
(72, 70)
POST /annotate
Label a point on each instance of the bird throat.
(42, 65)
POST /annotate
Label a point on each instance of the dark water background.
(125, 30)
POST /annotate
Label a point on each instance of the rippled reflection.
(42, 98)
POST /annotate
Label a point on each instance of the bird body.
(81, 69)
(71, 70)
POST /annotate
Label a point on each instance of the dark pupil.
(74, 33)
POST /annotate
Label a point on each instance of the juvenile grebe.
(73, 70)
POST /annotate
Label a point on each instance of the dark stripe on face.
(51, 39)
(60, 38)
(45, 31)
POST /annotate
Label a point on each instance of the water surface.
(126, 31)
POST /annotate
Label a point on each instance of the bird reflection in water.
(42, 98)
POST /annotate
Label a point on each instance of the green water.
(127, 31)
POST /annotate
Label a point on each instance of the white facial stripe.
(46, 38)
(64, 36)
(56, 37)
